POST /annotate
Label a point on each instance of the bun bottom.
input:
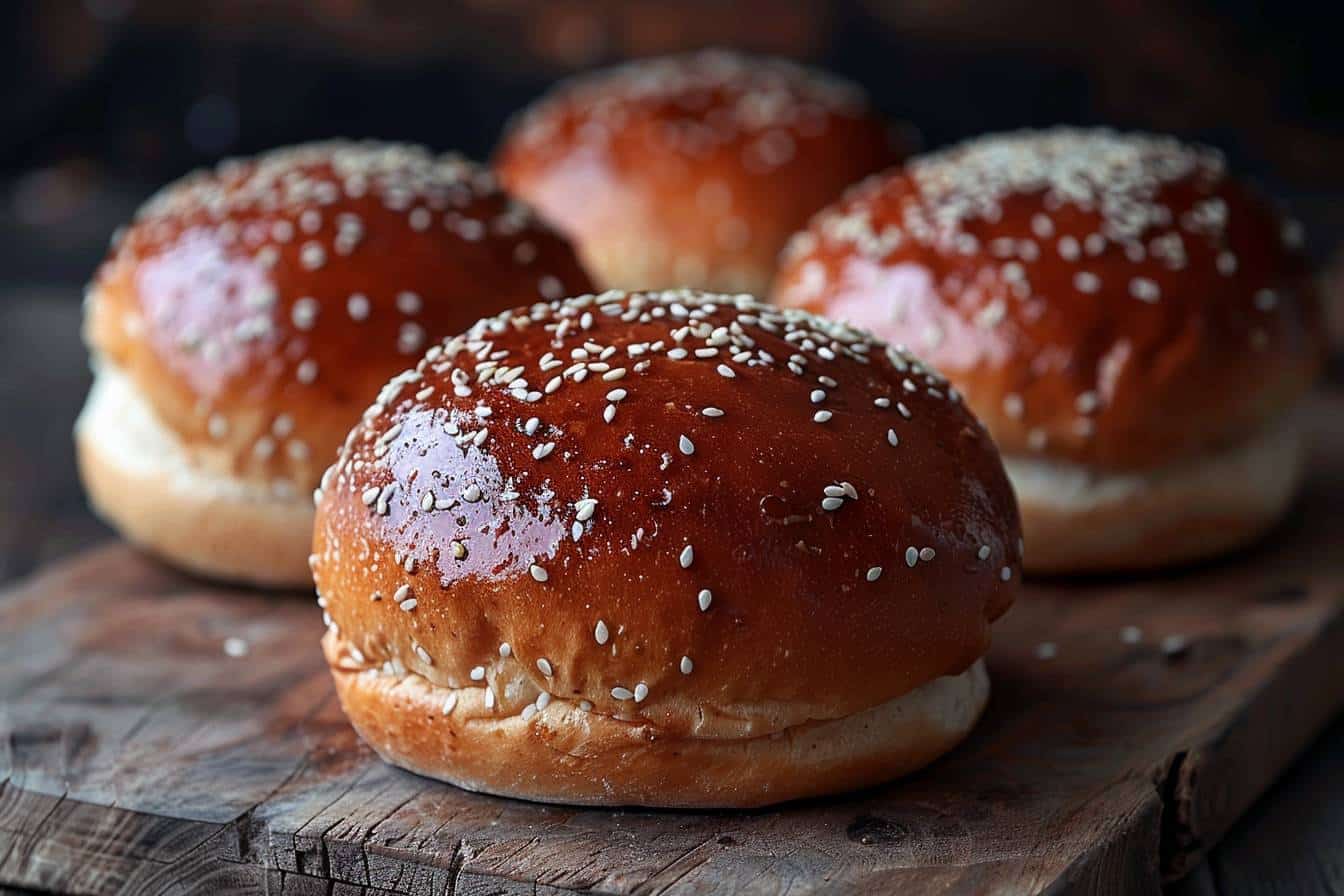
(564, 754)
(1075, 520)
(140, 480)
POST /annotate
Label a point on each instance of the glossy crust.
(692, 171)
(256, 307)
(789, 523)
(1110, 300)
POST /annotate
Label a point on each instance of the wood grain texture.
(137, 757)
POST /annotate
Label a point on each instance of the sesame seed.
(911, 556)
(584, 509)
(543, 701)
(370, 494)
(449, 703)
(613, 375)
(472, 493)
(543, 450)
(725, 370)
(478, 673)
(704, 599)
(1006, 573)
(1086, 282)
(489, 699)
(1046, 650)
(235, 647)
(686, 446)
(409, 303)
(832, 503)
(882, 402)
(609, 414)
(821, 416)
(357, 306)
(903, 410)
(641, 692)
(687, 557)
(617, 395)
(1131, 634)
(422, 653)
(544, 667)
(408, 604)
(1144, 289)
(600, 632)
(874, 573)
(621, 693)
(529, 711)
(687, 667)
(926, 554)
(817, 396)
(427, 502)
(712, 412)
(983, 553)
(892, 438)
(304, 313)
(538, 573)
(1174, 646)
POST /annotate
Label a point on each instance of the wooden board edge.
(1208, 787)
(34, 854)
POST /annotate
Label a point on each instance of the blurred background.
(106, 99)
(102, 101)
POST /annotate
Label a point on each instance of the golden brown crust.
(691, 170)
(788, 521)
(565, 754)
(1103, 299)
(258, 306)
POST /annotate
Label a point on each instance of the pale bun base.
(140, 480)
(1077, 521)
(564, 754)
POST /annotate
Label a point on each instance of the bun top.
(258, 306)
(689, 508)
(692, 170)
(1104, 298)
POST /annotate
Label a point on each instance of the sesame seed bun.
(247, 314)
(667, 549)
(691, 170)
(1111, 305)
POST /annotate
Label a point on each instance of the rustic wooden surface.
(137, 756)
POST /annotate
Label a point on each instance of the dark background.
(106, 99)
(102, 101)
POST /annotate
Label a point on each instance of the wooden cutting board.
(1132, 722)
